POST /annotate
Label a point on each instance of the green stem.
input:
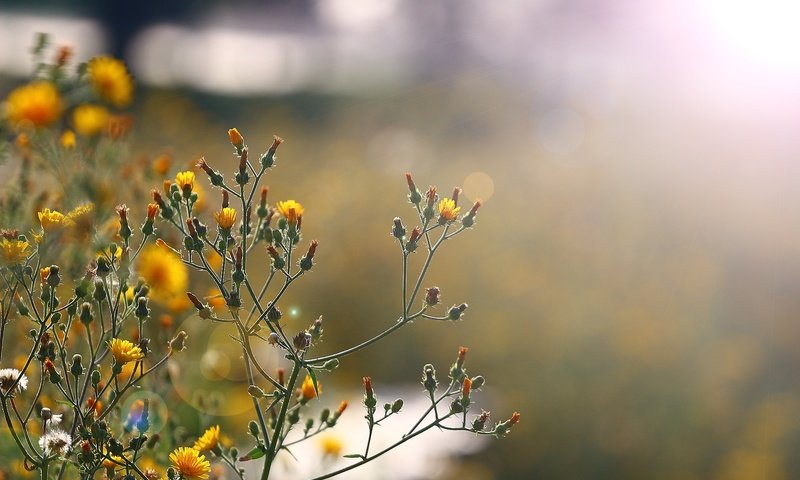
(272, 451)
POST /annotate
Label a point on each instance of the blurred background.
(632, 278)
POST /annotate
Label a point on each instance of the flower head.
(89, 120)
(291, 211)
(53, 219)
(164, 272)
(190, 463)
(331, 445)
(55, 441)
(10, 375)
(185, 180)
(67, 139)
(448, 211)
(37, 103)
(236, 138)
(307, 390)
(209, 440)
(225, 218)
(125, 351)
(111, 80)
(13, 251)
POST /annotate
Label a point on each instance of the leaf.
(313, 380)
(354, 455)
(257, 452)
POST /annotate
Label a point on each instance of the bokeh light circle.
(478, 186)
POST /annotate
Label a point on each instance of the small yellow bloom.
(236, 138)
(13, 251)
(125, 351)
(53, 219)
(185, 180)
(225, 218)
(37, 103)
(89, 120)
(80, 212)
(190, 463)
(291, 211)
(448, 210)
(208, 441)
(165, 273)
(307, 390)
(68, 139)
(111, 80)
(331, 445)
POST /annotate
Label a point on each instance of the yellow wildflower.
(125, 351)
(52, 219)
(236, 138)
(111, 80)
(291, 211)
(80, 212)
(208, 441)
(307, 390)
(185, 180)
(113, 462)
(37, 103)
(448, 211)
(190, 463)
(89, 120)
(164, 271)
(67, 139)
(13, 251)
(331, 445)
(225, 218)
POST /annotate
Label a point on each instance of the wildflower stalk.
(272, 449)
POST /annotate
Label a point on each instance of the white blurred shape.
(560, 131)
(85, 36)
(224, 60)
(765, 30)
(356, 15)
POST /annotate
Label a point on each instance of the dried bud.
(411, 245)
(273, 338)
(466, 387)
(178, 343)
(480, 421)
(308, 260)
(429, 378)
(399, 231)
(469, 218)
(456, 193)
(369, 394)
(274, 314)
(432, 296)
(462, 355)
(302, 341)
(456, 311)
(514, 418)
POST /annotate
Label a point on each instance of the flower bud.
(369, 394)
(414, 195)
(236, 138)
(302, 341)
(456, 311)
(255, 391)
(399, 231)
(307, 261)
(213, 176)
(141, 308)
(413, 240)
(268, 159)
(331, 364)
(469, 219)
(53, 279)
(273, 338)
(178, 343)
(429, 378)
(480, 421)
(95, 378)
(253, 428)
(77, 368)
(397, 405)
(432, 296)
(478, 382)
(274, 314)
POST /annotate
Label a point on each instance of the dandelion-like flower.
(89, 120)
(53, 219)
(125, 351)
(55, 441)
(37, 103)
(164, 272)
(111, 80)
(7, 378)
(209, 440)
(67, 139)
(331, 445)
(225, 218)
(448, 211)
(13, 251)
(307, 389)
(190, 463)
(292, 211)
(185, 180)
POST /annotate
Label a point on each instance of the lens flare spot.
(478, 186)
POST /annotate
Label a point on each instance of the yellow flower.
(111, 80)
(307, 390)
(81, 211)
(37, 103)
(236, 138)
(185, 180)
(113, 461)
(52, 219)
(208, 441)
(125, 351)
(164, 271)
(67, 139)
(291, 211)
(331, 445)
(190, 463)
(448, 210)
(225, 218)
(13, 251)
(89, 120)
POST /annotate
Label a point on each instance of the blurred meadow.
(632, 277)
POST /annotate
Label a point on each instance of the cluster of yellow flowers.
(190, 461)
